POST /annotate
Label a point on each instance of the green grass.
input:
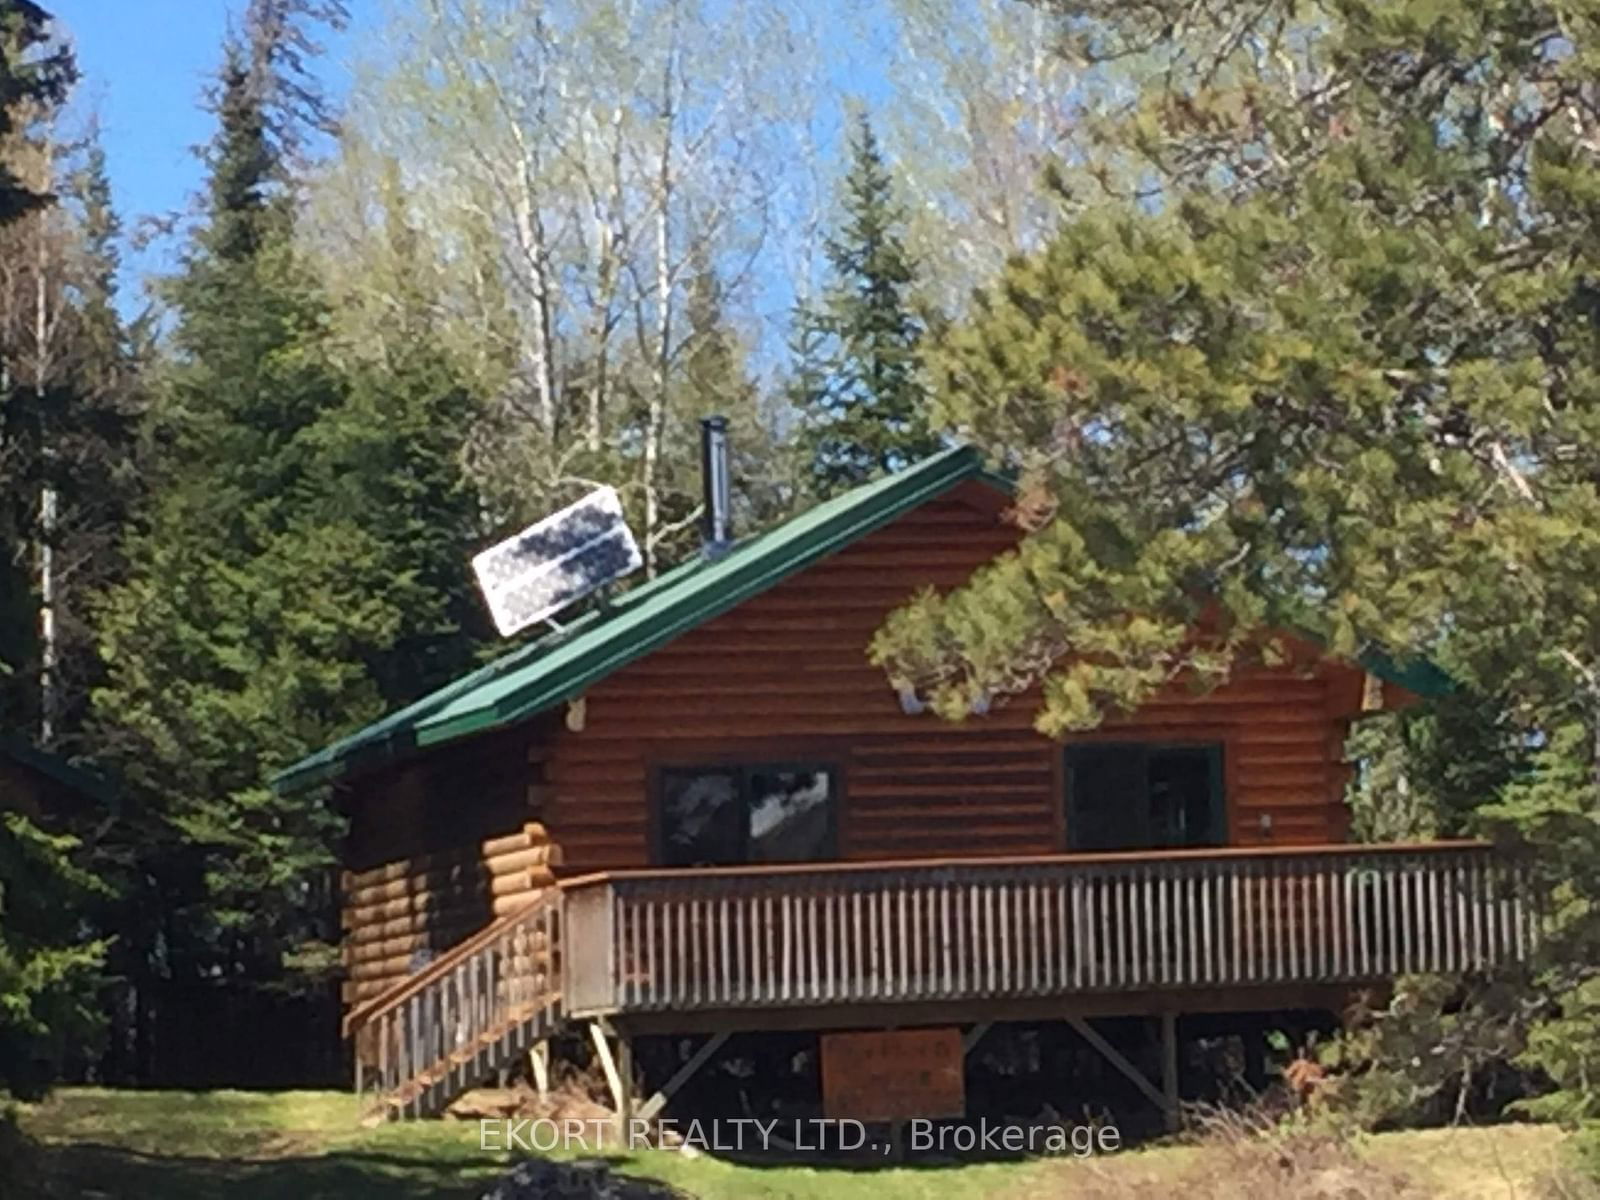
(99, 1144)
(123, 1145)
(187, 1145)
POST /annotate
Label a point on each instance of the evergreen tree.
(195, 638)
(49, 969)
(91, 469)
(859, 389)
(716, 379)
(1331, 366)
(35, 73)
(714, 372)
(299, 566)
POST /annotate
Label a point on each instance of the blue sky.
(145, 67)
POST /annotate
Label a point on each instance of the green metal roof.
(560, 666)
(56, 768)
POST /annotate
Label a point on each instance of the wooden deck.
(674, 943)
(886, 944)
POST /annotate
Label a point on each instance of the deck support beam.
(539, 1066)
(618, 1069)
(651, 1108)
(1115, 1057)
(972, 1011)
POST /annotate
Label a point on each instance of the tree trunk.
(48, 652)
(656, 418)
(530, 229)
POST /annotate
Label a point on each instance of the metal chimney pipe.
(717, 523)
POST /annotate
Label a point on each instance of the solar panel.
(554, 562)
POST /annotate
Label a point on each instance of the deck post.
(539, 1066)
(1169, 1070)
(1254, 1042)
(618, 1069)
(625, 1096)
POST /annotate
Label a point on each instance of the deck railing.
(951, 930)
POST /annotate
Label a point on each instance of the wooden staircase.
(463, 1017)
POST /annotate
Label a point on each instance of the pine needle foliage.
(859, 386)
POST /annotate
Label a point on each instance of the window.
(1136, 797)
(716, 816)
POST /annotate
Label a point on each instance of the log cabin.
(697, 811)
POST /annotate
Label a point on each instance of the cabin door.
(1132, 796)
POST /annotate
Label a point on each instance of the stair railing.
(461, 1002)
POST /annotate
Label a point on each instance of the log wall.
(40, 797)
(22, 789)
(786, 674)
(437, 849)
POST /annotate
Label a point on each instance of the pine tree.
(49, 970)
(300, 566)
(859, 389)
(1329, 368)
(35, 73)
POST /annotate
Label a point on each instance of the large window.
(717, 816)
(1137, 797)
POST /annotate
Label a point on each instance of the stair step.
(536, 1021)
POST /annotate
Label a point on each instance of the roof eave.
(1419, 676)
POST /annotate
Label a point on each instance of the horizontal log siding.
(438, 847)
(23, 790)
(786, 675)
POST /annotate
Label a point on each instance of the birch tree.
(983, 103)
(572, 169)
(67, 400)
(33, 335)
